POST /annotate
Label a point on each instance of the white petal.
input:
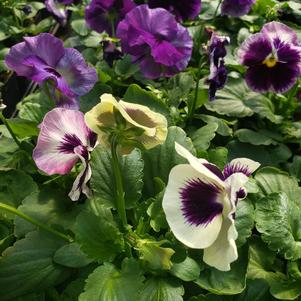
(193, 236)
(223, 251)
(249, 164)
(198, 165)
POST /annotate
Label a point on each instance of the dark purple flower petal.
(58, 9)
(110, 52)
(97, 13)
(154, 39)
(182, 9)
(200, 202)
(214, 169)
(236, 8)
(273, 58)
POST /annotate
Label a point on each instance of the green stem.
(293, 92)
(120, 202)
(215, 13)
(35, 222)
(3, 119)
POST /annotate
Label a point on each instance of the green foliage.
(109, 283)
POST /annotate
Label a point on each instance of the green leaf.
(272, 180)
(226, 283)
(71, 256)
(237, 100)
(103, 179)
(136, 94)
(187, 270)
(125, 67)
(255, 138)
(244, 220)
(28, 266)
(202, 137)
(278, 219)
(15, 185)
(223, 127)
(50, 206)
(271, 155)
(161, 159)
(155, 256)
(295, 167)
(98, 234)
(218, 156)
(161, 289)
(109, 283)
(23, 128)
(80, 27)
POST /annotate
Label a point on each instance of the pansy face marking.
(63, 140)
(273, 58)
(200, 204)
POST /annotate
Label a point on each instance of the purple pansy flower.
(200, 204)
(218, 71)
(182, 9)
(98, 13)
(236, 8)
(58, 8)
(273, 58)
(43, 58)
(64, 139)
(154, 39)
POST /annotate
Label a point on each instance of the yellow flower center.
(270, 61)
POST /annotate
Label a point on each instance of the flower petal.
(223, 251)
(242, 165)
(61, 131)
(195, 225)
(200, 165)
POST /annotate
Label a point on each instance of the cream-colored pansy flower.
(200, 204)
(140, 123)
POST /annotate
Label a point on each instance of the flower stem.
(215, 13)
(3, 119)
(120, 202)
(35, 222)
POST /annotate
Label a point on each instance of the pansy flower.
(236, 8)
(43, 58)
(58, 9)
(101, 15)
(200, 203)
(63, 140)
(218, 72)
(182, 9)
(139, 125)
(272, 58)
(154, 39)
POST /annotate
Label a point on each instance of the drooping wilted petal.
(153, 125)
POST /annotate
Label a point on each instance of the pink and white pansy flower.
(63, 140)
(200, 204)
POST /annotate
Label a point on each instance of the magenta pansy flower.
(99, 13)
(154, 39)
(43, 58)
(236, 8)
(182, 9)
(272, 58)
(218, 72)
(63, 140)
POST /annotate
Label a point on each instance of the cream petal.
(223, 251)
(192, 235)
(199, 165)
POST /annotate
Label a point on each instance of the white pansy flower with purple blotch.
(63, 140)
(200, 204)
(272, 58)
(43, 58)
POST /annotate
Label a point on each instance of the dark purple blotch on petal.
(230, 169)
(241, 193)
(200, 202)
(214, 169)
(69, 142)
